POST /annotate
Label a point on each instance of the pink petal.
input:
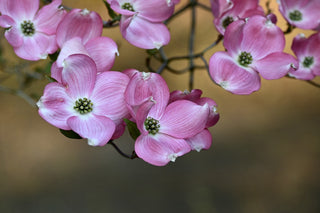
(183, 119)
(19, 9)
(6, 21)
(276, 65)
(115, 5)
(214, 116)
(97, 129)
(35, 47)
(202, 140)
(120, 128)
(230, 76)
(261, 37)
(144, 34)
(79, 23)
(108, 95)
(300, 45)
(302, 73)
(56, 72)
(79, 75)
(103, 51)
(154, 11)
(71, 47)
(218, 7)
(49, 16)
(145, 85)
(160, 150)
(233, 37)
(55, 106)
(194, 95)
(14, 36)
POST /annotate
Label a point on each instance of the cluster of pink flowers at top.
(254, 44)
(89, 99)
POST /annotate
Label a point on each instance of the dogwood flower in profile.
(308, 53)
(141, 21)
(254, 46)
(30, 32)
(303, 14)
(79, 32)
(89, 104)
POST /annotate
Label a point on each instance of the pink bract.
(31, 32)
(89, 104)
(254, 46)
(141, 21)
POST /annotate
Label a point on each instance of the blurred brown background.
(265, 155)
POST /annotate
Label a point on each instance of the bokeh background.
(265, 155)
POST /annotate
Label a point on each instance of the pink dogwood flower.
(80, 33)
(232, 10)
(30, 32)
(308, 53)
(303, 14)
(163, 134)
(89, 104)
(141, 21)
(254, 46)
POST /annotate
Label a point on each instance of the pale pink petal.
(154, 11)
(103, 51)
(233, 37)
(71, 47)
(144, 34)
(144, 85)
(108, 95)
(97, 129)
(276, 65)
(115, 5)
(56, 72)
(55, 106)
(261, 37)
(19, 9)
(49, 16)
(34, 47)
(160, 150)
(218, 7)
(202, 140)
(79, 75)
(6, 21)
(230, 76)
(14, 37)
(183, 119)
(130, 72)
(302, 73)
(142, 114)
(79, 23)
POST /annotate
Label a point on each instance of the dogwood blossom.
(89, 104)
(30, 32)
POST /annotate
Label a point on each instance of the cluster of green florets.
(152, 125)
(295, 15)
(83, 106)
(227, 21)
(308, 61)
(27, 28)
(127, 6)
(245, 59)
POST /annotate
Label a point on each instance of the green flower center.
(27, 28)
(245, 59)
(127, 6)
(227, 21)
(83, 106)
(295, 15)
(308, 61)
(152, 125)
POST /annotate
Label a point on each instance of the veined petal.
(233, 37)
(71, 47)
(300, 45)
(116, 6)
(214, 116)
(19, 9)
(6, 21)
(108, 95)
(160, 150)
(154, 11)
(35, 47)
(49, 16)
(183, 119)
(230, 76)
(276, 65)
(120, 128)
(56, 72)
(202, 140)
(55, 106)
(79, 75)
(97, 129)
(79, 23)
(302, 73)
(194, 95)
(261, 37)
(103, 51)
(142, 114)
(144, 34)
